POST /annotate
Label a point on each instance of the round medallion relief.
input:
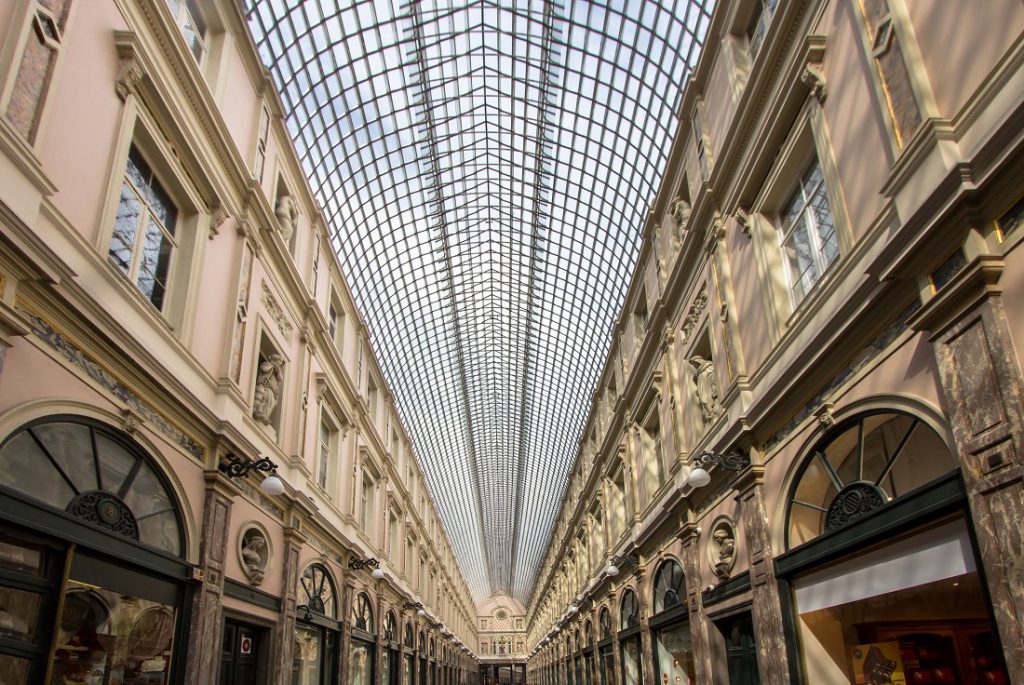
(254, 552)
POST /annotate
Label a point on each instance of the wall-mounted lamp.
(618, 563)
(307, 613)
(418, 606)
(359, 564)
(238, 468)
(733, 461)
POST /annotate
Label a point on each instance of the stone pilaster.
(984, 391)
(348, 596)
(702, 659)
(772, 660)
(613, 604)
(282, 658)
(646, 644)
(381, 651)
(206, 621)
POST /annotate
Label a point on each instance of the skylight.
(486, 167)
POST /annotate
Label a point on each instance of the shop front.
(362, 645)
(670, 628)
(881, 561)
(317, 630)
(92, 575)
(392, 660)
(588, 653)
(606, 648)
(408, 656)
(578, 658)
(422, 647)
(629, 639)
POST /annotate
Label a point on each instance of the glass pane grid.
(486, 169)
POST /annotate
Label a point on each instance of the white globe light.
(272, 485)
(421, 613)
(612, 570)
(378, 573)
(698, 478)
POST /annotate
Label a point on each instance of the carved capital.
(813, 77)
(130, 70)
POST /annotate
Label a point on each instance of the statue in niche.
(287, 216)
(707, 387)
(726, 541)
(680, 211)
(254, 557)
(268, 384)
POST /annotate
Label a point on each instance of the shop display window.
(632, 673)
(913, 612)
(675, 655)
(360, 671)
(111, 638)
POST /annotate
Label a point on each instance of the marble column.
(772, 658)
(984, 391)
(206, 622)
(699, 635)
(381, 654)
(348, 595)
(282, 664)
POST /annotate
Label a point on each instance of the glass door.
(29, 582)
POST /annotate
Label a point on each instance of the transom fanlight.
(317, 591)
(95, 473)
(486, 169)
(668, 586)
(629, 615)
(859, 466)
(362, 613)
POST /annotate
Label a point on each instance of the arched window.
(605, 620)
(668, 586)
(588, 634)
(859, 466)
(362, 613)
(630, 610)
(317, 591)
(95, 473)
(390, 628)
(408, 639)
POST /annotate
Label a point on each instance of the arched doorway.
(316, 629)
(92, 579)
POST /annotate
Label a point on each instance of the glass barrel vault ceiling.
(486, 167)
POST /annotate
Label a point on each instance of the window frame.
(808, 139)
(139, 128)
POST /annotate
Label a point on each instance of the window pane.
(125, 225)
(156, 261)
(799, 261)
(115, 463)
(71, 447)
(24, 468)
(19, 614)
(15, 670)
(826, 228)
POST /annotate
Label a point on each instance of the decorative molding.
(813, 77)
(692, 316)
(217, 219)
(275, 311)
(129, 69)
(59, 343)
(824, 415)
(743, 221)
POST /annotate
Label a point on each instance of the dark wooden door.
(239, 657)
(741, 650)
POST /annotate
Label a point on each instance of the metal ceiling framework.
(486, 167)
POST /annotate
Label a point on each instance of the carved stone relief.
(254, 553)
(287, 214)
(705, 383)
(722, 548)
(276, 312)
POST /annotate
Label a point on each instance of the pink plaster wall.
(854, 118)
(82, 116)
(961, 42)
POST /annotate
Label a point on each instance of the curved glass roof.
(486, 167)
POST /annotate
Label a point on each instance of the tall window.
(760, 20)
(336, 323)
(46, 34)
(143, 243)
(328, 447)
(393, 535)
(367, 504)
(189, 18)
(261, 158)
(808, 234)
